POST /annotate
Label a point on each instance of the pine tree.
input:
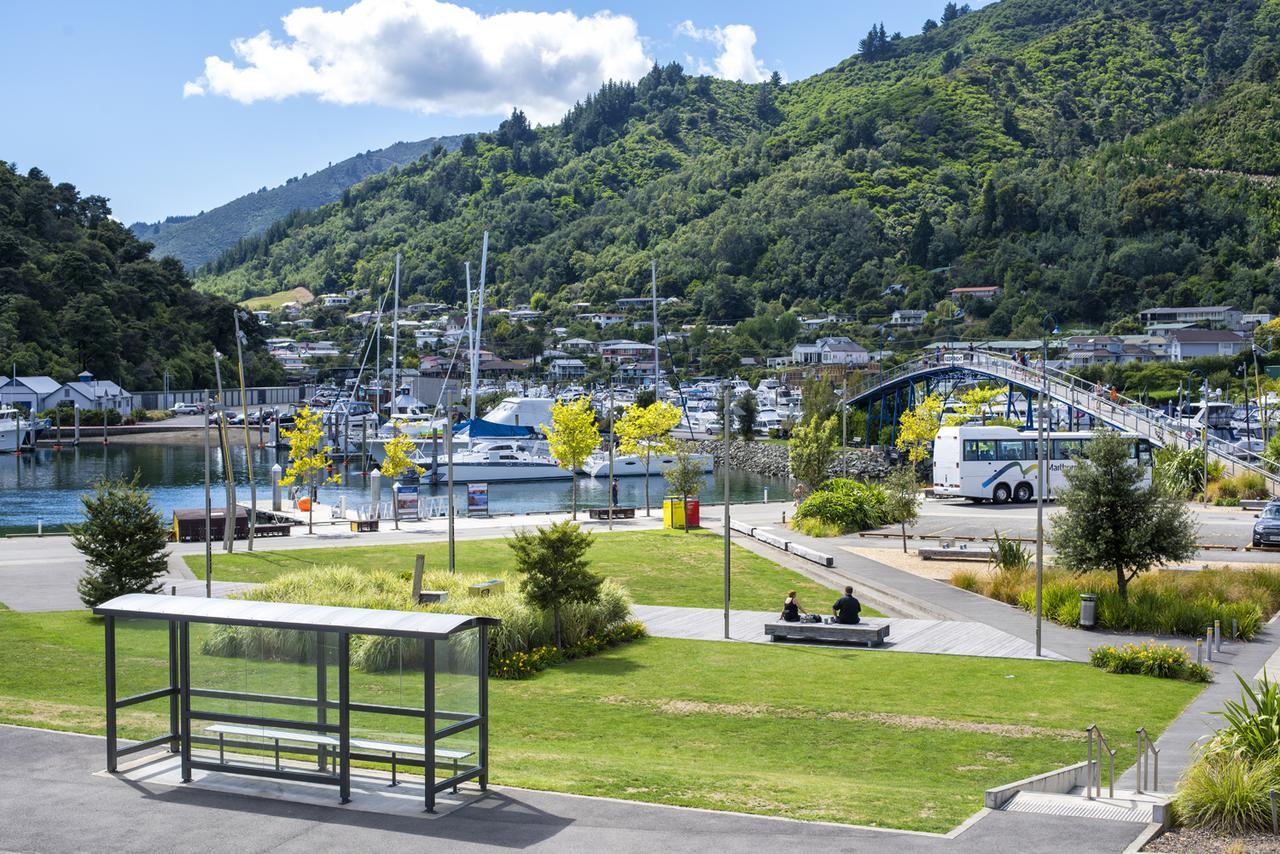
(921, 237)
(553, 569)
(122, 539)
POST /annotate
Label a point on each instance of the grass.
(897, 740)
(273, 301)
(656, 567)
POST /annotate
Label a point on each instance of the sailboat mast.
(471, 336)
(653, 282)
(475, 350)
(395, 334)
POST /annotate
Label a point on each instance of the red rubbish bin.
(691, 513)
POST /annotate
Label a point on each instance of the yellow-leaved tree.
(917, 427)
(644, 431)
(976, 403)
(396, 464)
(572, 436)
(309, 457)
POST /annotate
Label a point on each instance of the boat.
(15, 434)
(492, 462)
(597, 465)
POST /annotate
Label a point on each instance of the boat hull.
(634, 466)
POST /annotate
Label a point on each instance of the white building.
(602, 318)
(834, 350)
(332, 300)
(36, 394)
(88, 393)
(908, 317)
(623, 351)
(567, 369)
(1216, 315)
(1189, 343)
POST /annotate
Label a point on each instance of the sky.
(179, 106)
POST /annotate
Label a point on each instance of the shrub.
(1227, 793)
(1010, 554)
(966, 579)
(1150, 659)
(1253, 723)
(847, 505)
(524, 629)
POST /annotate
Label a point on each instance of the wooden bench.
(938, 553)
(872, 634)
(454, 757)
(618, 512)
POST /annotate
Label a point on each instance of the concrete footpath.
(52, 800)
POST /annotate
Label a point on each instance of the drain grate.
(1080, 807)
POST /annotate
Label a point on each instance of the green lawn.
(898, 740)
(656, 567)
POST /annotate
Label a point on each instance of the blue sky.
(117, 98)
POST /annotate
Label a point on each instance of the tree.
(929, 26)
(975, 402)
(553, 569)
(902, 499)
(572, 436)
(122, 539)
(1111, 521)
(747, 411)
(817, 400)
(813, 446)
(644, 431)
(395, 464)
(917, 427)
(685, 479)
(921, 237)
(950, 12)
(876, 43)
(309, 458)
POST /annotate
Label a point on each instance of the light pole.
(1204, 428)
(725, 474)
(244, 414)
(1050, 325)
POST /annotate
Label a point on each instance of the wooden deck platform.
(940, 637)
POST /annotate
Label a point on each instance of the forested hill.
(197, 240)
(1057, 149)
(78, 291)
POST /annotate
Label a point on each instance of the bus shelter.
(298, 692)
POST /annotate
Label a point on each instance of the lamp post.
(1204, 427)
(726, 418)
(1050, 325)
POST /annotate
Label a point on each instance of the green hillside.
(197, 240)
(1008, 146)
(77, 292)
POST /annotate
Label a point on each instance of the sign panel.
(477, 499)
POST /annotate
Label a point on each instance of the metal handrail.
(1093, 784)
(1147, 751)
(1124, 412)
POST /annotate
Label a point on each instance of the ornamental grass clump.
(523, 629)
(842, 506)
(1227, 788)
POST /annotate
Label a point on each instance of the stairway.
(1145, 807)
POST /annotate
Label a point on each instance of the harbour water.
(44, 486)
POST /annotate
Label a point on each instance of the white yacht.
(15, 433)
(597, 465)
(492, 462)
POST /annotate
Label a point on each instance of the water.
(47, 484)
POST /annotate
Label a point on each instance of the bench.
(955, 555)
(618, 512)
(364, 526)
(872, 634)
(274, 529)
(454, 757)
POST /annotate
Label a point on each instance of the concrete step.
(1143, 808)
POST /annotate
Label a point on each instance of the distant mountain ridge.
(197, 240)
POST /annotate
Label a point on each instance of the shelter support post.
(109, 627)
(322, 685)
(429, 722)
(344, 717)
(184, 684)
(175, 725)
(483, 708)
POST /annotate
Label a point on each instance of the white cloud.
(433, 57)
(736, 43)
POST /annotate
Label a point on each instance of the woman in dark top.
(791, 609)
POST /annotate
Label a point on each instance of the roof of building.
(40, 385)
(288, 615)
(841, 344)
(1205, 336)
(1178, 309)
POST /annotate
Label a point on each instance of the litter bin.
(1088, 610)
(693, 518)
(672, 512)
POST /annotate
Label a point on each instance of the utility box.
(487, 588)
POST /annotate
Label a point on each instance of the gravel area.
(1186, 840)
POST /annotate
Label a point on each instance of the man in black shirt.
(846, 608)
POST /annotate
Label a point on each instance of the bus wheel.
(1000, 495)
(1022, 493)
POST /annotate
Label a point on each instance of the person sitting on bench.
(791, 609)
(846, 609)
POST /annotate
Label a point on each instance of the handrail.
(1093, 784)
(1124, 412)
(1147, 750)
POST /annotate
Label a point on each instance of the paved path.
(941, 637)
(52, 801)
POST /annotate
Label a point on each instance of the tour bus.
(998, 464)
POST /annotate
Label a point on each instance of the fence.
(279, 395)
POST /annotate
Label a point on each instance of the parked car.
(231, 416)
(187, 409)
(1266, 531)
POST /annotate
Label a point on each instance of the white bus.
(998, 464)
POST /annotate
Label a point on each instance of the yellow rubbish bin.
(673, 512)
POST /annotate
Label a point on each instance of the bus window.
(1068, 449)
(1011, 449)
(1031, 451)
(979, 450)
(1143, 448)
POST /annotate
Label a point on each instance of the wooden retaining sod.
(964, 538)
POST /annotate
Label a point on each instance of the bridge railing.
(1122, 412)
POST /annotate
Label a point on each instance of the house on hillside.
(982, 292)
(1225, 316)
(623, 350)
(1189, 343)
(602, 318)
(567, 369)
(578, 345)
(335, 300)
(908, 317)
(834, 350)
(1085, 350)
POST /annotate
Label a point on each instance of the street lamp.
(727, 418)
(1204, 427)
(1050, 325)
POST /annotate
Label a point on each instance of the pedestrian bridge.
(899, 389)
